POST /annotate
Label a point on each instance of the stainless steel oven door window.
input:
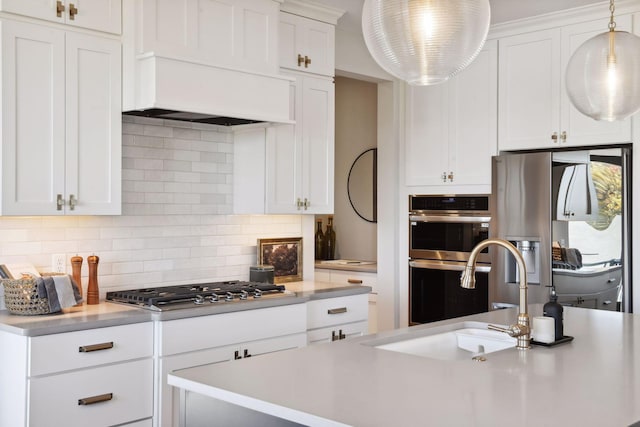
(449, 237)
(435, 292)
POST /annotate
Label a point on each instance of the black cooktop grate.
(163, 296)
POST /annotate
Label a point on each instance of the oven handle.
(448, 218)
(444, 265)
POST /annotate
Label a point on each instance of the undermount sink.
(460, 341)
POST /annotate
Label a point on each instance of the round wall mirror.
(362, 186)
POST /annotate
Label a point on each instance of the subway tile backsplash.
(176, 225)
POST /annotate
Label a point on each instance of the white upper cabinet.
(300, 157)
(451, 127)
(289, 169)
(534, 108)
(228, 33)
(61, 133)
(100, 15)
(306, 44)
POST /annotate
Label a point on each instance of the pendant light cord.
(612, 23)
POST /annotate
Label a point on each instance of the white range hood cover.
(183, 90)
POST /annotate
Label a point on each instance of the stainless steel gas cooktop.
(201, 294)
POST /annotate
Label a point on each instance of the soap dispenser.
(554, 309)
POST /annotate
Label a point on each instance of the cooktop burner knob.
(199, 299)
(244, 295)
(257, 293)
(228, 296)
(213, 298)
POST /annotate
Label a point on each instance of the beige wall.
(356, 129)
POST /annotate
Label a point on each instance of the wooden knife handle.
(76, 271)
(93, 294)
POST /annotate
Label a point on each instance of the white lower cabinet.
(204, 340)
(363, 278)
(99, 377)
(118, 375)
(106, 395)
(335, 319)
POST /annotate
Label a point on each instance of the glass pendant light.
(425, 41)
(603, 75)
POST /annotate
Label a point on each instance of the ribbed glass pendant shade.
(603, 76)
(425, 41)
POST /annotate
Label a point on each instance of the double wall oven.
(442, 232)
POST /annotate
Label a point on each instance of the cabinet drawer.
(197, 333)
(55, 400)
(81, 349)
(337, 333)
(334, 311)
(355, 278)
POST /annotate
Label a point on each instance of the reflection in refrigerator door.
(576, 202)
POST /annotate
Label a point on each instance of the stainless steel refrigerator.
(568, 214)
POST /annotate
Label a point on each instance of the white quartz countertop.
(112, 314)
(592, 381)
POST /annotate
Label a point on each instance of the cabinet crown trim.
(562, 18)
(312, 10)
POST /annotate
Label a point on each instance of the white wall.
(176, 223)
(356, 131)
(353, 60)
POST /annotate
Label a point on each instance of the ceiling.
(501, 10)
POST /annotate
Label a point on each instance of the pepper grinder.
(93, 295)
(76, 268)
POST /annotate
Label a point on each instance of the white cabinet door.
(69, 85)
(473, 113)
(101, 15)
(228, 33)
(534, 108)
(283, 170)
(337, 333)
(300, 157)
(451, 127)
(528, 90)
(580, 129)
(94, 125)
(427, 135)
(318, 144)
(33, 118)
(306, 44)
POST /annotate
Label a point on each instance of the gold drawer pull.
(73, 11)
(355, 281)
(95, 399)
(337, 310)
(95, 347)
(59, 9)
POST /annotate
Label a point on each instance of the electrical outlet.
(58, 263)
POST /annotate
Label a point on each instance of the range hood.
(159, 113)
(168, 88)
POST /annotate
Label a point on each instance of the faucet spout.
(522, 329)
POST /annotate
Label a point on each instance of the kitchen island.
(592, 381)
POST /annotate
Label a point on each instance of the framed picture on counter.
(285, 255)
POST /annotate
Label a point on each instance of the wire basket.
(21, 296)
